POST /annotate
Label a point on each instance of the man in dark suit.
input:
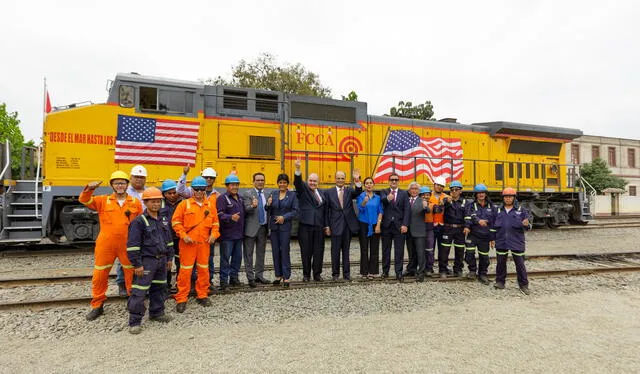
(395, 220)
(341, 221)
(417, 232)
(255, 230)
(312, 223)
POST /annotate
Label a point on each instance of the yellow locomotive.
(166, 124)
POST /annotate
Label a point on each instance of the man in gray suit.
(417, 230)
(255, 230)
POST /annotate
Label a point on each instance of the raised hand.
(298, 163)
(355, 175)
(186, 169)
(269, 200)
(254, 202)
(93, 185)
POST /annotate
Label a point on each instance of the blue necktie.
(261, 217)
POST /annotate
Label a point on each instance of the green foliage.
(407, 110)
(265, 73)
(352, 96)
(597, 173)
(10, 129)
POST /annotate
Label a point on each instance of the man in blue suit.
(312, 223)
(395, 220)
(341, 221)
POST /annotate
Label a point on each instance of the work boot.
(471, 275)
(252, 284)
(181, 307)
(457, 273)
(135, 330)
(95, 313)
(205, 302)
(235, 282)
(525, 290)
(224, 287)
(122, 290)
(164, 318)
(498, 286)
(483, 279)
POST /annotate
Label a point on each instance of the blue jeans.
(119, 273)
(230, 259)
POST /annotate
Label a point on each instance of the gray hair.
(412, 184)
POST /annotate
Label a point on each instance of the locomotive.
(165, 124)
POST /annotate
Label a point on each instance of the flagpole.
(44, 103)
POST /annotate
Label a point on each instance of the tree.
(407, 110)
(597, 173)
(10, 129)
(352, 96)
(265, 73)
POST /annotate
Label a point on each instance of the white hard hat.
(139, 171)
(209, 172)
(440, 180)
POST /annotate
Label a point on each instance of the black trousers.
(369, 251)
(481, 244)
(501, 266)
(392, 235)
(311, 240)
(340, 247)
(416, 245)
(451, 237)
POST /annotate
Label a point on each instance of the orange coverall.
(199, 222)
(112, 240)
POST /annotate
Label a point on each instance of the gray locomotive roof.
(423, 123)
(524, 129)
(133, 77)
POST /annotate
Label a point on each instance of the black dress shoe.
(285, 284)
(276, 282)
(420, 278)
(409, 274)
(399, 278)
(335, 278)
(252, 284)
(235, 282)
(306, 279)
(384, 275)
(318, 278)
(181, 307)
(223, 287)
(347, 278)
(263, 281)
(95, 313)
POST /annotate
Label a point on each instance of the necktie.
(261, 218)
(316, 194)
(341, 197)
(393, 192)
(413, 200)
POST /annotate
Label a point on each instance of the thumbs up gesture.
(269, 200)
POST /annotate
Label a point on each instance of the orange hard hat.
(151, 193)
(509, 192)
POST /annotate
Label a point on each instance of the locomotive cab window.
(126, 96)
(170, 101)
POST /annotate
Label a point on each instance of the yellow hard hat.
(151, 193)
(119, 174)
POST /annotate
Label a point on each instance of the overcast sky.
(561, 63)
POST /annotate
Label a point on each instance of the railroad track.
(609, 258)
(84, 275)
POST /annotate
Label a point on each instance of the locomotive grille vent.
(235, 100)
(266, 103)
(262, 146)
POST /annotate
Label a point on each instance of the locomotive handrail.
(7, 159)
(37, 181)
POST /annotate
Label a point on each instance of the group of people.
(147, 229)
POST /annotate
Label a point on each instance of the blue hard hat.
(425, 189)
(167, 185)
(480, 188)
(231, 178)
(455, 184)
(198, 182)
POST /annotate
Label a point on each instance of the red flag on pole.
(47, 103)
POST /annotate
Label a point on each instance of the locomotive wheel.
(551, 224)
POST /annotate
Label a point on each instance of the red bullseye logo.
(350, 146)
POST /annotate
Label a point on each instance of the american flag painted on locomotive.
(435, 157)
(156, 141)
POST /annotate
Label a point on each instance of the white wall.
(627, 204)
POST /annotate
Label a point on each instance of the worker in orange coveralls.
(115, 212)
(195, 221)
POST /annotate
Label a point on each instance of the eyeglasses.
(209, 177)
(119, 183)
(394, 180)
(198, 189)
(456, 189)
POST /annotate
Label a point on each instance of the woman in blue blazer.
(283, 207)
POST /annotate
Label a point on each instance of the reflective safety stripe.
(502, 253)
(471, 249)
(202, 266)
(517, 253)
(170, 244)
(186, 267)
(146, 222)
(177, 256)
(188, 204)
(429, 250)
(138, 287)
(492, 230)
(108, 199)
(483, 253)
(130, 249)
(175, 223)
(88, 202)
(459, 245)
(159, 281)
(216, 224)
(127, 266)
(102, 267)
(467, 217)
